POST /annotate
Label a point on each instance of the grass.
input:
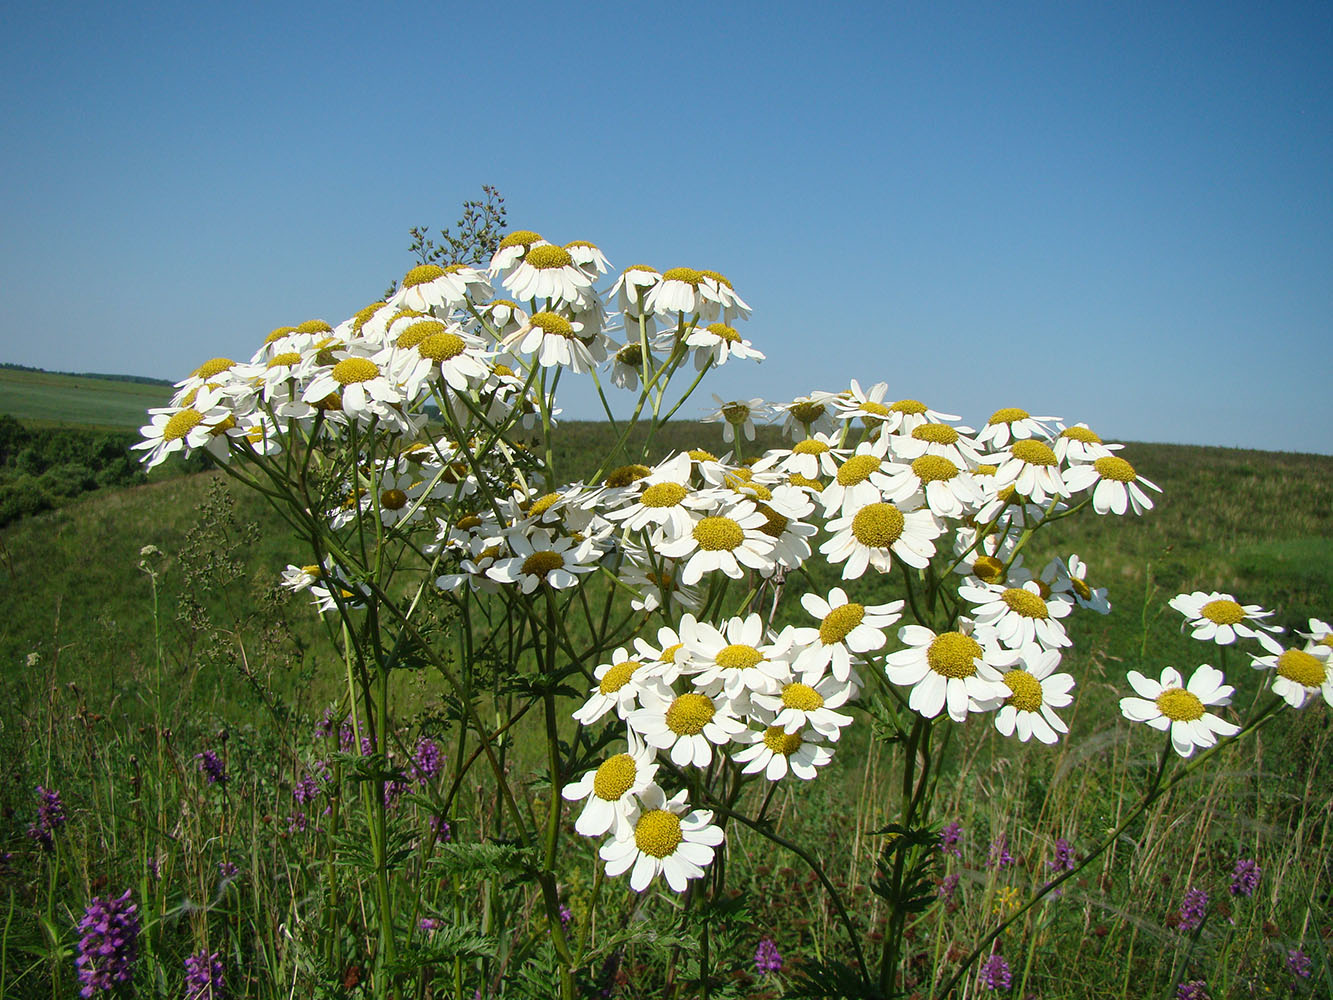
(52, 399)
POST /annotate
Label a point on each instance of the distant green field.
(51, 399)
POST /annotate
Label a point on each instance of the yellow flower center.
(362, 317)
(519, 238)
(422, 274)
(658, 833)
(352, 370)
(552, 324)
(1223, 612)
(310, 570)
(796, 479)
(839, 622)
(1033, 453)
(720, 279)
(1082, 589)
(1007, 415)
(313, 326)
(738, 657)
(735, 413)
(743, 486)
(1180, 705)
(416, 332)
(985, 469)
(1082, 434)
(441, 347)
(467, 522)
(284, 360)
(640, 267)
(934, 468)
(1026, 690)
(716, 534)
(725, 332)
(541, 563)
(910, 406)
(802, 697)
(669, 654)
(878, 525)
(935, 433)
(807, 412)
(278, 333)
(1025, 603)
(618, 676)
(689, 713)
(857, 469)
(874, 409)
(181, 424)
(214, 367)
(810, 446)
(776, 523)
(542, 504)
(630, 354)
(626, 474)
(1304, 668)
(953, 654)
(686, 274)
(393, 499)
(549, 256)
(330, 402)
(1115, 468)
(615, 777)
(989, 569)
(780, 741)
(699, 455)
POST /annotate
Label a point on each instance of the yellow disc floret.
(1033, 453)
(1115, 468)
(1180, 705)
(541, 563)
(664, 495)
(909, 406)
(313, 326)
(689, 713)
(1081, 434)
(519, 238)
(1304, 668)
(935, 433)
(552, 324)
(810, 446)
(934, 468)
(180, 424)
(215, 366)
(626, 474)
(807, 412)
(988, 569)
(738, 657)
(1025, 603)
(686, 274)
(615, 777)
(618, 676)
(717, 534)
(415, 333)
(1007, 415)
(953, 654)
(548, 256)
(1223, 612)
(878, 525)
(780, 741)
(352, 370)
(857, 469)
(802, 697)
(725, 332)
(422, 274)
(542, 504)
(1026, 690)
(658, 833)
(839, 622)
(441, 347)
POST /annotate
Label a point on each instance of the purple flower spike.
(999, 856)
(1195, 989)
(211, 767)
(1245, 879)
(949, 837)
(50, 818)
(766, 957)
(427, 760)
(203, 977)
(995, 974)
(1299, 964)
(1192, 910)
(109, 943)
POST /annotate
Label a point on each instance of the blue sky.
(1114, 213)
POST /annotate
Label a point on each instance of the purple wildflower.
(227, 870)
(297, 822)
(1064, 857)
(999, 856)
(203, 977)
(428, 924)
(995, 974)
(306, 790)
(50, 818)
(325, 727)
(1192, 910)
(566, 915)
(766, 957)
(949, 838)
(427, 761)
(109, 944)
(948, 886)
(154, 867)
(1245, 878)
(1299, 964)
(1195, 989)
(440, 827)
(211, 767)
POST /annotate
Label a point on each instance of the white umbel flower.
(1170, 704)
(664, 840)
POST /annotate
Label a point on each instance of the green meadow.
(56, 399)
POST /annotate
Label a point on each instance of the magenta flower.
(109, 943)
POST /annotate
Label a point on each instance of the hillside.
(99, 402)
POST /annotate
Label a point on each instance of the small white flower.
(799, 704)
(1071, 578)
(727, 540)
(872, 535)
(736, 662)
(1081, 444)
(612, 790)
(717, 342)
(689, 725)
(1035, 691)
(1298, 674)
(1220, 618)
(1019, 615)
(1170, 704)
(1030, 466)
(542, 558)
(846, 629)
(951, 669)
(1119, 488)
(1016, 423)
(663, 841)
(775, 752)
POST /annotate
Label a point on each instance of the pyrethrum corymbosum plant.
(412, 448)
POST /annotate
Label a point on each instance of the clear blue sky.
(1120, 213)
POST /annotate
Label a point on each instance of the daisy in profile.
(1019, 615)
(1220, 618)
(296, 578)
(1299, 675)
(182, 428)
(733, 306)
(617, 687)
(807, 416)
(513, 248)
(846, 629)
(1012, 422)
(786, 508)
(727, 540)
(1035, 690)
(588, 256)
(950, 670)
(737, 414)
(1080, 443)
(682, 292)
(1118, 487)
(1071, 577)
(632, 287)
(861, 479)
(774, 752)
(612, 790)
(1321, 633)
(689, 725)
(430, 288)
(717, 342)
(663, 840)
(867, 404)
(1030, 466)
(874, 534)
(556, 340)
(1170, 704)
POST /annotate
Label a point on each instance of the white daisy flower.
(774, 752)
(327, 596)
(181, 428)
(1118, 488)
(612, 790)
(683, 292)
(861, 479)
(808, 416)
(512, 249)
(670, 654)
(872, 535)
(1321, 633)
(588, 256)
(364, 388)
(429, 349)
(717, 342)
(951, 669)
(799, 704)
(1020, 615)
(557, 341)
(1071, 578)
(296, 578)
(431, 288)
(737, 413)
(665, 501)
(542, 558)
(398, 493)
(1299, 674)
(810, 457)
(664, 841)
(936, 438)
(1170, 704)
(618, 684)
(1013, 422)
(656, 587)
(905, 415)
(948, 490)
(632, 288)
(846, 629)
(473, 571)
(1081, 444)
(786, 507)
(985, 561)
(741, 661)
(1035, 691)
(1030, 466)
(727, 540)
(733, 306)
(626, 365)
(502, 317)
(1219, 618)
(689, 725)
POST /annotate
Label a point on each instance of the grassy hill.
(57, 399)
